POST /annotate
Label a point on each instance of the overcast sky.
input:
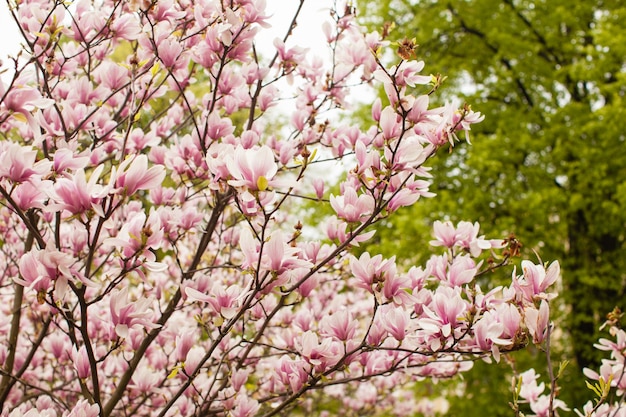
(9, 36)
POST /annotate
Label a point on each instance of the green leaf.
(595, 388)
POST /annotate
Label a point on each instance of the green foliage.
(549, 162)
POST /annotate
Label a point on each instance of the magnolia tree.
(154, 258)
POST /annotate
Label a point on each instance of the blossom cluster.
(153, 255)
(609, 383)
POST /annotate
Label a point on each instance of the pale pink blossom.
(19, 163)
(372, 271)
(111, 75)
(536, 279)
(127, 314)
(39, 269)
(540, 403)
(238, 378)
(31, 194)
(223, 301)
(65, 159)
(77, 195)
(389, 123)
(537, 321)
(396, 321)
(133, 175)
(245, 407)
(184, 342)
(139, 236)
(340, 325)
(126, 27)
(462, 271)
(145, 379)
(353, 207)
(81, 362)
(84, 409)
(407, 73)
(23, 102)
(464, 235)
(253, 169)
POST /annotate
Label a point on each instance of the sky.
(9, 35)
(307, 33)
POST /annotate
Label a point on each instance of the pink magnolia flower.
(370, 272)
(289, 57)
(65, 159)
(419, 111)
(537, 321)
(184, 342)
(126, 27)
(489, 333)
(81, 362)
(530, 390)
(377, 334)
(31, 194)
(39, 269)
(442, 316)
(84, 409)
(277, 256)
(111, 75)
(77, 195)
(389, 123)
(238, 378)
(253, 168)
(169, 51)
(409, 154)
(464, 235)
(395, 320)
(127, 314)
(462, 271)
(33, 273)
(352, 207)
(82, 91)
(469, 117)
(536, 279)
(320, 355)
(617, 346)
(318, 186)
(533, 393)
(407, 73)
(139, 237)
(223, 301)
(17, 163)
(395, 289)
(510, 317)
(445, 233)
(145, 380)
(546, 407)
(22, 102)
(339, 325)
(610, 370)
(245, 407)
(88, 22)
(133, 175)
(292, 374)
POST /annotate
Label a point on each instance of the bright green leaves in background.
(549, 162)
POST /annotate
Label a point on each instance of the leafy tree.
(549, 161)
(152, 263)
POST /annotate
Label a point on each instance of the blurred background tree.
(548, 163)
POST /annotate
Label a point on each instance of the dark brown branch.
(505, 62)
